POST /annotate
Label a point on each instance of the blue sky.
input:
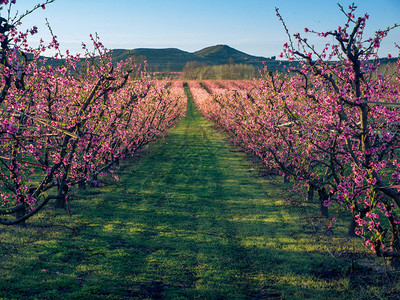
(250, 25)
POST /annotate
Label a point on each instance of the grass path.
(192, 218)
(197, 193)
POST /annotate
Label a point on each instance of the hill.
(223, 54)
(158, 59)
(174, 59)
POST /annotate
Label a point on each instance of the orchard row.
(331, 125)
(64, 122)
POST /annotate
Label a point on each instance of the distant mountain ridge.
(173, 59)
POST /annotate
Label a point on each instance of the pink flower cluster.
(5, 2)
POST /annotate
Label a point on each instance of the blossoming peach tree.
(67, 119)
(358, 138)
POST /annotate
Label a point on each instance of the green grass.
(190, 219)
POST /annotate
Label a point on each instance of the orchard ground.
(192, 217)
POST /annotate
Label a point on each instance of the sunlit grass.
(190, 218)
